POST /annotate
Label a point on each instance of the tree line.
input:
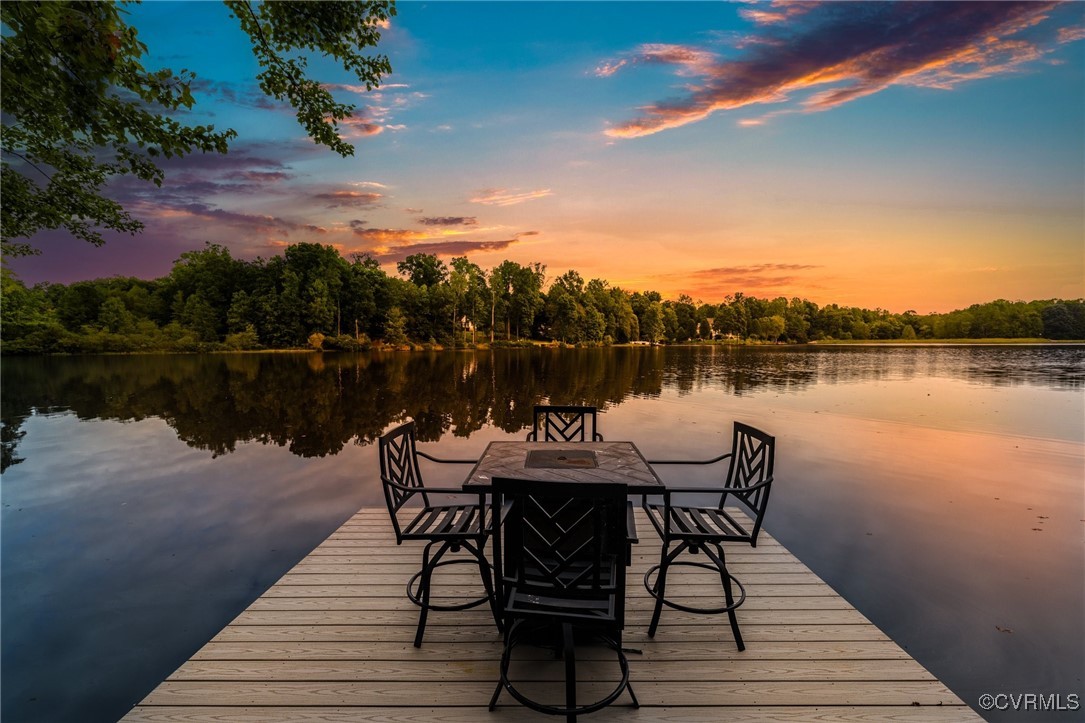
(313, 297)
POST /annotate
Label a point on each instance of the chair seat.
(527, 604)
(698, 523)
(446, 522)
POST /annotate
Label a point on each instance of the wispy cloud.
(718, 282)
(449, 221)
(358, 126)
(390, 235)
(778, 11)
(355, 199)
(245, 94)
(690, 61)
(443, 248)
(814, 57)
(250, 222)
(507, 197)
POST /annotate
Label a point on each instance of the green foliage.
(423, 270)
(79, 108)
(243, 340)
(210, 301)
(332, 29)
(395, 331)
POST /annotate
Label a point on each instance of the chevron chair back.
(400, 474)
(752, 455)
(561, 542)
(565, 424)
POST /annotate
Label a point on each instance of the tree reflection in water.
(314, 404)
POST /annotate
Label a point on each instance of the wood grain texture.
(332, 641)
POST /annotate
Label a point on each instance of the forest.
(312, 297)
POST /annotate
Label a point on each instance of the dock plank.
(332, 640)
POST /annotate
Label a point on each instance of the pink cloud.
(337, 199)
(506, 197)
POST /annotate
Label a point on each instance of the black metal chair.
(450, 527)
(704, 529)
(558, 549)
(564, 424)
(577, 424)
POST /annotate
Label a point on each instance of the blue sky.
(900, 156)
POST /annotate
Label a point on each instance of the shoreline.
(560, 346)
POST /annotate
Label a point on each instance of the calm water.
(146, 501)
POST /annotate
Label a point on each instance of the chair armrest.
(713, 490)
(449, 491)
(690, 461)
(445, 461)
(432, 490)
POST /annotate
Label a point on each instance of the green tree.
(320, 271)
(79, 108)
(1064, 320)
(526, 297)
(114, 316)
(500, 282)
(423, 270)
(395, 330)
(770, 328)
(651, 322)
(366, 295)
(475, 298)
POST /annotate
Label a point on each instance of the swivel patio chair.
(564, 424)
(576, 424)
(697, 529)
(558, 550)
(449, 527)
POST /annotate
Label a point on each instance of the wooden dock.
(332, 641)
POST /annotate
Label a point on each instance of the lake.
(146, 501)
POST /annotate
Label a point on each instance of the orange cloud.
(781, 11)
(444, 248)
(717, 283)
(930, 44)
(390, 235)
(355, 127)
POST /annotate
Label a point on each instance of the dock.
(331, 641)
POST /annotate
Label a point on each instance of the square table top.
(614, 462)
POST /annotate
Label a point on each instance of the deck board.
(331, 641)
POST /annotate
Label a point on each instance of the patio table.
(611, 462)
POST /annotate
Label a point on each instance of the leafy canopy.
(79, 107)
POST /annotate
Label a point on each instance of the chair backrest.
(400, 474)
(752, 456)
(564, 424)
(562, 540)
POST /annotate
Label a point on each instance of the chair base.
(571, 709)
(651, 588)
(657, 588)
(418, 587)
(414, 593)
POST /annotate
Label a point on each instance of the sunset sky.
(905, 156)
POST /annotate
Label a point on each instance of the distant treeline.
(312, 297)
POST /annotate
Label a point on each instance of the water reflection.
(315, 404)
(906, 480)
